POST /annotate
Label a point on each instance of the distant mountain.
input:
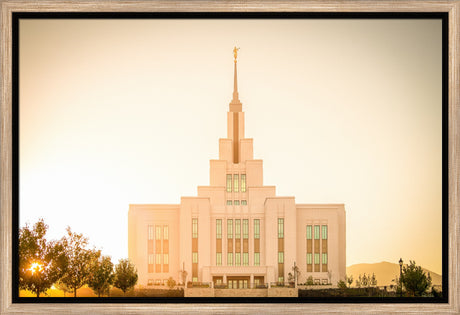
(385, 272)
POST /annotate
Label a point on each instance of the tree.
(41, 262)
(365, 281)
(372, 280)
(310, 281)
(415, 280)
(125, 275)
(435, 293)
(79, 260)
(341, 284)
(359, 282)
(63, 287)
(396, 285)
(349, 280)
(171, 283)
(101, 276)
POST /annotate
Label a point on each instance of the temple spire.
(235, 104)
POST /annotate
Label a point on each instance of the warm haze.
(116, 112)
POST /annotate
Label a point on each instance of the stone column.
(251, 284)
(224, 279)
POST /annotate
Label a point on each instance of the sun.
(36, 267)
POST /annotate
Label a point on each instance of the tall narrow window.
(324, 258)
(316, 258)
(316, 232)
(229, 202)
(150, 248)
(218, 259)
(256, 242)
(165, 248)
(324, 232)
(158, 251)
(256, 228)
(281, 248)
(310, 248)
(158, 257)
(309, 259)
(256, 259)
(158, 232)
(280, 228)
(229, 228)
(245, 259)
(235, 182)
(236, 202)
(244, 202)
(229, 183)
(237, 259)
(229, 259)
(237, 228)
(219, 228)
(165, 232)
(194, 249)
(280, 257)
(194, 228)
(308, 232)
(151, 232)
(195, 258)
(245, 228)
(243, 182)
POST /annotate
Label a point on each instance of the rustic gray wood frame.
(7, 7)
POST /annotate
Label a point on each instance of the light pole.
(400, 275)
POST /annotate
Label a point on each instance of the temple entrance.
(238, 282)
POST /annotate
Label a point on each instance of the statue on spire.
(235, 52)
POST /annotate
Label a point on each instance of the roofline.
(207, 186)
(154, 204)
(320, 204)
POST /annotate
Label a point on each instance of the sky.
(118, 112)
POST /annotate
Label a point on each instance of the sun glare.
(36, 267)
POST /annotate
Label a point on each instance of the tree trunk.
(38, 292)
(75, 292)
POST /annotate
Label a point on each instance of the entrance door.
(239, 282)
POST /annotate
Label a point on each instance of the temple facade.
(237, 232)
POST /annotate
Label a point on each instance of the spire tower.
(235, 104)
(235, 120)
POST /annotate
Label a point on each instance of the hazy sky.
(114, 112)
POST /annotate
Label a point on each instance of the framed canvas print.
(226, 157)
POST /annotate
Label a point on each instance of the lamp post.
(400, 275)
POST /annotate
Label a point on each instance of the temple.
(237, 233)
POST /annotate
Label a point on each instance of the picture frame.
(8, 7)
